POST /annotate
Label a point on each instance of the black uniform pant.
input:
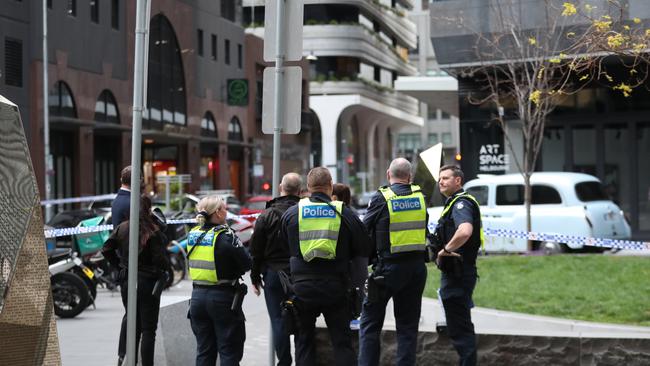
(219, 331)
(456, 294)
(148, 307)
(404, 283)
(325, 297)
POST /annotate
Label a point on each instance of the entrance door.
(235, 170)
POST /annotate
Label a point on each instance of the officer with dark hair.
(396, 219)
(460, 235)
(323, 237)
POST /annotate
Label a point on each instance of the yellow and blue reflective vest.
(478, 207)
(201, 259)
(318, 228)
(408, 220)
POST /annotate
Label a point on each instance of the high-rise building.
(357, 49)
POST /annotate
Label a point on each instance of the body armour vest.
(408, 216)
(318, 228)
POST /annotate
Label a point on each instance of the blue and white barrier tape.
(569, 239)
(60, 201)
(53, 233)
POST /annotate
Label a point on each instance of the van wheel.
(550, 247)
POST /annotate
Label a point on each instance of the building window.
(240, 56)
(208, 126)
(72, 8)
(115, 14)
(408, 142)
(227, 51)
(61, 101)
(228, 9)
(14, 62)
(446, 138)
(49, 4)
(94, 11)
(106, 108)
(213, 46)
(433, 139)
(199, 42)
(234, 130)
(166, 99)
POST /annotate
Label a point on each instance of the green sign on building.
(238, 92)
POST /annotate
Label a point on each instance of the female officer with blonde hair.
(217, 260)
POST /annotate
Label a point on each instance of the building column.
(85, 163)
(329, 109)
(193, 155)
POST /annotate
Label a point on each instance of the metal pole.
(278, 121)
(47, 179)
(141, 29)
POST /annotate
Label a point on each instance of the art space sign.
(492, 158)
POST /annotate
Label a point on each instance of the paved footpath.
(91, 337)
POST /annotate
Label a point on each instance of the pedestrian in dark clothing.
(396, 220)
(152, 265)
(270, 256)
(323, 236)
(122, 202)
(217, 260)
(459, 229)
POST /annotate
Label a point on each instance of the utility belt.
(240, 290)
(300, 277)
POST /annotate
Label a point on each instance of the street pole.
(47, 178)
(141, 29)
(278, 100)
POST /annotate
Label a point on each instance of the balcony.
(354, 41)
(394, 22)
(369, 89)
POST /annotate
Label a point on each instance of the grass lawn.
(597, 287)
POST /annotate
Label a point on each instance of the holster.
(375, 288)
(355, 298)
(240, 291)
(452, 266)
(290, 316)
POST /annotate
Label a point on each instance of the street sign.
(290, 123)
(238, 92)
(292, 32)
(258, 170)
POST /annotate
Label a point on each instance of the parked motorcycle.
(68, 278)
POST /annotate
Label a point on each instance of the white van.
(562, 203)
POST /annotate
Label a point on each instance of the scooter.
(70, 293)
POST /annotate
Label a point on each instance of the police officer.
(396, 220)
(217, 260)
(459, 229)
(323, 237)
(270, 257)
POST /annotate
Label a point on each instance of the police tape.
(569, 239)
(103, 197)
(67, 231)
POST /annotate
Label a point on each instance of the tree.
(535, 53)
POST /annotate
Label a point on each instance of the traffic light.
(266, 186)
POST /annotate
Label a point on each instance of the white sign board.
(292, 100)
(292, 29)
(258, 170)
(432, 158)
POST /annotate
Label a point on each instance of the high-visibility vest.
(201, 260)
(318, 228)
(471, 198)
(408, 220)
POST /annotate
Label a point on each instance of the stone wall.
(493, 349)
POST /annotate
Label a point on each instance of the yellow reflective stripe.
(409, 225)
(317, 253)
(200, 264)
(407, 248)
(318, 234)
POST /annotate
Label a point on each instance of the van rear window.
(590, 191)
